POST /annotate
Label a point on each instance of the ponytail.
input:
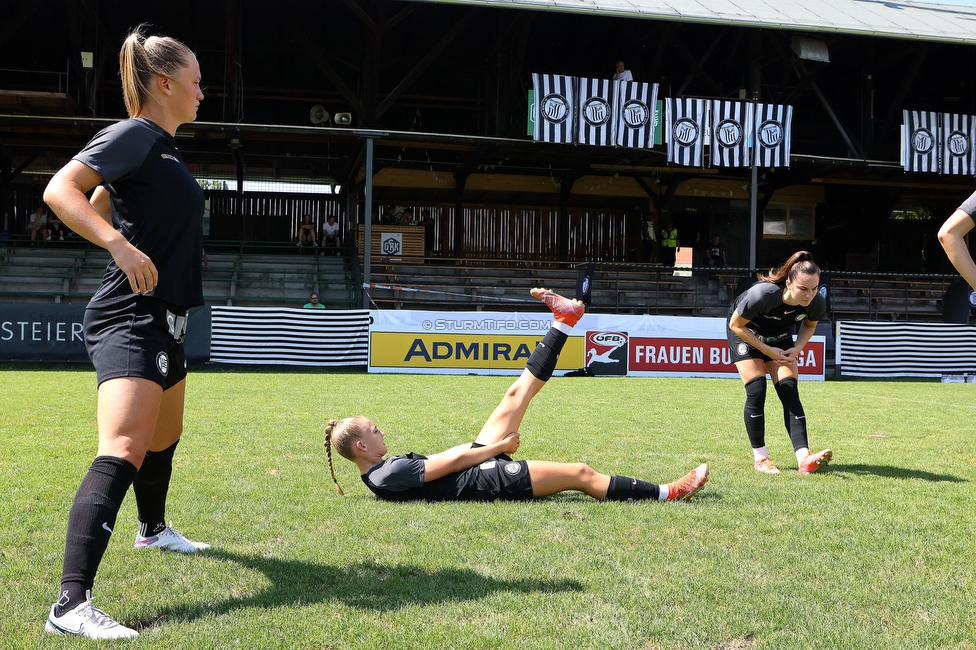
(143, 58)
(799, 262)
(329, 428)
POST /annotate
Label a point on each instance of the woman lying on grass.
(484, 470)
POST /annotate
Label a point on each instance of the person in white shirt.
(331, 235)
(623, 74)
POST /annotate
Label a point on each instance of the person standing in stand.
(669, 243)
(622, 73)
(147, 211)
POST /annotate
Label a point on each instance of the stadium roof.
(921, 21)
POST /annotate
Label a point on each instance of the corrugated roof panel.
(889, 18)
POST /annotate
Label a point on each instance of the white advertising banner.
(499, 343)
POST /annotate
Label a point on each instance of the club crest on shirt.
(162, 362)
(513, 468)
(742, 348)
(800, 317)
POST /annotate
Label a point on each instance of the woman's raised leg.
(507, 416)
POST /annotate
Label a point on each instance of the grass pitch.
(877, 551)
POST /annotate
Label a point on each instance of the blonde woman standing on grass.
(147, 211)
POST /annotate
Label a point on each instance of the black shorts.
(141, 338)
(742, 350)
(497, 479)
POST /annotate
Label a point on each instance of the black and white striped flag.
(774, 125)
(921, 146)
(555, 107)
(731, 132)
(595, 112)
(634, 105)
(684, 128)
(957, 144)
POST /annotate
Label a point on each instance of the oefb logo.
(606, 352)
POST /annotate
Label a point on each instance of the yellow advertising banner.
(434, 350)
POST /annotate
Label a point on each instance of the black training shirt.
(762, 305)
(157, 205)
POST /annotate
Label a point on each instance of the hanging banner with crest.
(920, 133)
(957, 144)
(634, 106)
(594, 121)
(731, 132)
(774, 125)
(684, 129)
(555, 102)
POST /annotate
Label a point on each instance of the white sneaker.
(87, 621)
(170, 539)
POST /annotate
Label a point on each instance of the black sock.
(754, 412)
(793, 415)
(90, 524)
(151, 486)
(542, 361)
(624, 488)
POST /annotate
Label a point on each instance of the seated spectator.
(715, 254)
(406, 219)
(37, 224)
(331, 234)
(55, 229)
(306, 231)
(313, 302)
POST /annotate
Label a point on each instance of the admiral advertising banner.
(489, 343)
(499, 343)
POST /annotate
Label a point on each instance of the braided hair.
(342, 434)
(329, 429)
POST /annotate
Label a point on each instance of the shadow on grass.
(366, 585)
(892, 472)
